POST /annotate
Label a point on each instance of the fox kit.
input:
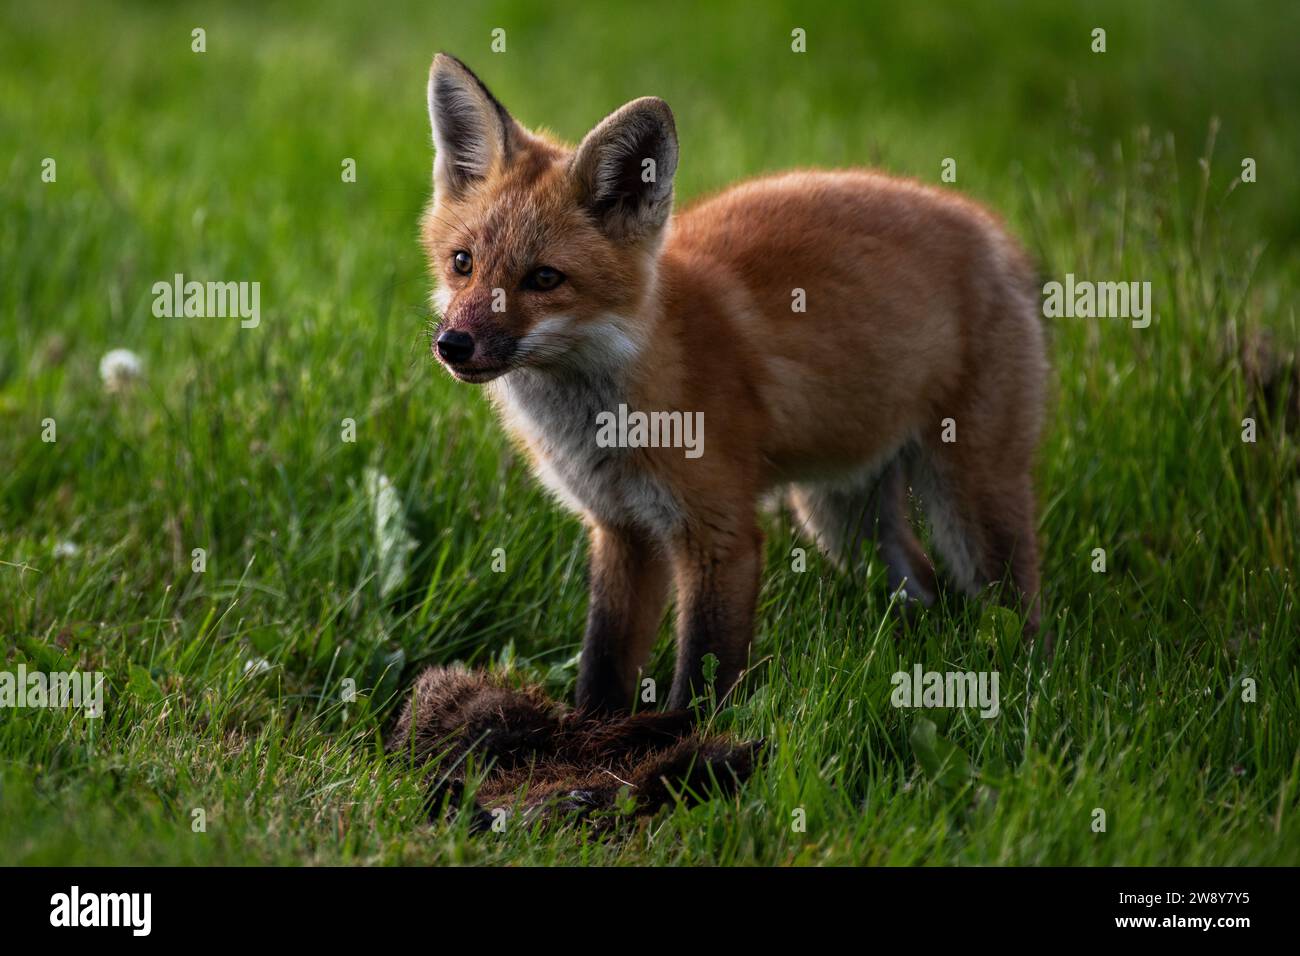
(841, 336)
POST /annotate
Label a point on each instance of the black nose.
(455, 346)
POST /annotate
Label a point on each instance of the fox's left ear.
(472, 132)
(624, 168)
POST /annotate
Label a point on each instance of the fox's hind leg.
(982, 521)
(843, 517)
(972, 464)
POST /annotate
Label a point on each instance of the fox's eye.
(462, 262)
(544, 279)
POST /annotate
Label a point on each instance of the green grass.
(227, 165)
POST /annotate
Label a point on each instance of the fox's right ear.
(625, 167)
(472, 132)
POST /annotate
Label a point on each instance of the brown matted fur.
(543, 758)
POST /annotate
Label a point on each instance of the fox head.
(543, 254)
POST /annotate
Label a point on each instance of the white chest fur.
(557, 414)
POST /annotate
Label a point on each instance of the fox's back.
(872, 239)
(858, 301)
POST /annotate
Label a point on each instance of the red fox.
(840, 336)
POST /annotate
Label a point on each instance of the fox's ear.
(624, 168)
(472, 132)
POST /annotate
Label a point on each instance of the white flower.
(66, 549)
(256, 665)
(119, 368)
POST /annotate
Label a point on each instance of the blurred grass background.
(226, 165)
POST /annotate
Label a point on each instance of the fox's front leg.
(716, 566)
(629, 587)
